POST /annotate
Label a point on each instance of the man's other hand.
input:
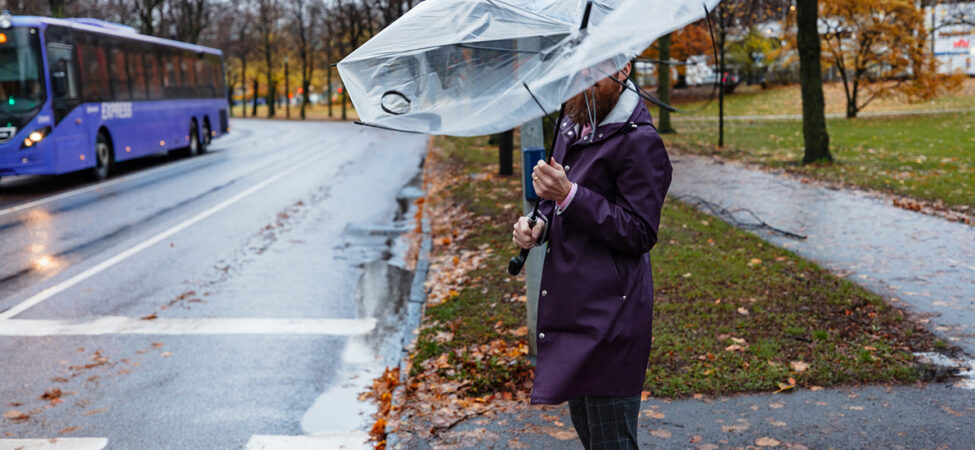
(526, 236)
(550, 181)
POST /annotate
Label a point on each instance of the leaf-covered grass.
(930, 157)
(752, 100)
(732, 313)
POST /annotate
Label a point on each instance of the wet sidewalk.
(927, 416)
(921, 263)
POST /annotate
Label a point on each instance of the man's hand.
(550, 181)
(525, 236)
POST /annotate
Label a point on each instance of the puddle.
(382, 293)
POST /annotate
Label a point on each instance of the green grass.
(931, 157)
(706, 275)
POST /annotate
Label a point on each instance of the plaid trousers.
(606, 422)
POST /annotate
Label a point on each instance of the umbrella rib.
(383, 127)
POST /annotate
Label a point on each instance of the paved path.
(904, 417)
(923, 263)
(759, 117)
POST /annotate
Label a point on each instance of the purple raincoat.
(596, 299)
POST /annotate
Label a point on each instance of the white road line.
(98, 268)
(54, 444)
(351, 439)
(112, 325)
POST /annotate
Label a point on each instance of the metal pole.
(532, 136)
(506, 143)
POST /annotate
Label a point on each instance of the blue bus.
(83, 94)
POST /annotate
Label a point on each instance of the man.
(603, 190)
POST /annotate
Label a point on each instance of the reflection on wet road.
(925, 263)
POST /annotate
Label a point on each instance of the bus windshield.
(21, 82)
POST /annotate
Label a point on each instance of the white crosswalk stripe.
(108, 325)
(54, 444)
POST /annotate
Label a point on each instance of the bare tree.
(267, 24)
(304, 16)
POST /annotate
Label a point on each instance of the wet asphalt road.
(132, 296)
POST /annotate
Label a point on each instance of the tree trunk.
(811, 81)
(243, 87)
(57, 8)
(254, 99)
(328, 70)
(720, 81)
(663, 85)
(344, 96)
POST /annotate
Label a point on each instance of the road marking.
(54, 444)
(98, 268)
(350, 439)
(130, 325)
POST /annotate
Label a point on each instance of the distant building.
(953, 38)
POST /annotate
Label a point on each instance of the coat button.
(544, 292)
(570, 133)
(600, 135)
(566, 167)
(541, 335)
(623, 298)
(548, 250)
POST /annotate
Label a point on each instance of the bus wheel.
(104, 157)
(205, 142)
(194, 148)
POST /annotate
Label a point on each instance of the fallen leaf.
(776, 423)
(165, 354)
(157, 344)
(776, 406)
(736, 428)
(739, 341)
(686, 275)
(664, 434)
(799, 366)
(95, 411)
(14, 414)
(742, 311)
(754, 262)
(653, 414)
(857, 408)
(815, 388)
(767, 442)
(644, 396)
(696, 439)
(69, 430)
(734, 348)
(152, 316)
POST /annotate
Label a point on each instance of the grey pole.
(532, 136)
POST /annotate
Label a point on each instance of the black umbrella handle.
(517, 262)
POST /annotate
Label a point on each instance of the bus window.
(94, 74)
(202, 76)
(155, 75)
(188, 81)
(120, 76)
(137, 73)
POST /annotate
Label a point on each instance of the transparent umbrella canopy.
(472, 67)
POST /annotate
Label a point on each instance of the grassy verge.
(313, 112)
(749, 100)
(733, 314)
(927, 157)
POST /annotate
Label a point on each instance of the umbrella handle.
(517, 262)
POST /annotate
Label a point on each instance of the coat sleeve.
(546, 208)
(643, 176)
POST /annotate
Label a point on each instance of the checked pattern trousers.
(606, 422)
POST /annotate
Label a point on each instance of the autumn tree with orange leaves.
(871, 42)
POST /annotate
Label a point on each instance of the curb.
(414, 314)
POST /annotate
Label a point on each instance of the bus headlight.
(5, 20)
(35, 137)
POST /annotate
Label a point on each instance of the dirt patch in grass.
(733, 314)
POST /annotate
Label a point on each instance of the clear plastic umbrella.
(475, 67)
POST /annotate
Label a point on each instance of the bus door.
(72, 140)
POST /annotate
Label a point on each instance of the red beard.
(607, 94)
